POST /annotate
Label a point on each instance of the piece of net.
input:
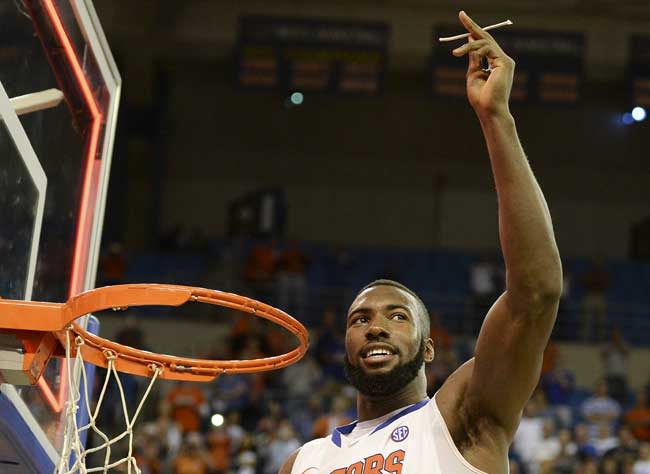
(74, 454)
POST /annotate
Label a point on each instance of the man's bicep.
(509, 354)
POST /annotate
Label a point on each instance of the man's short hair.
(423, 312)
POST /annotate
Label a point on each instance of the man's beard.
(382, 385)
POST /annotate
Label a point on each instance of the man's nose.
(377, 329)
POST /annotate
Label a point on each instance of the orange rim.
(52, 317)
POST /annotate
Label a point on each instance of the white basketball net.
(74, 453)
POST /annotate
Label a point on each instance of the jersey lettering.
(356, 468)
(394, 462)
(373, 464)
(376, 464)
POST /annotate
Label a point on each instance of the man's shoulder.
(304, 450)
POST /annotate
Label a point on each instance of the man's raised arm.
(516, 330)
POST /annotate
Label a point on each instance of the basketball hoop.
(39, 325)
(47, 330)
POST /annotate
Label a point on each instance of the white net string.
(73, 452)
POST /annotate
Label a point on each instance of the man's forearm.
(533, 266)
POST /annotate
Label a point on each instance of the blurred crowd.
(597, 435)
(249, 424)
(285, 274)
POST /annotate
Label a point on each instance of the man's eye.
(400, 316)
(360, 319)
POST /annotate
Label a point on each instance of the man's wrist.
(500, 116)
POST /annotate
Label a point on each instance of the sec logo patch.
(399, 434)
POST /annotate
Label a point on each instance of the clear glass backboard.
(54, 168)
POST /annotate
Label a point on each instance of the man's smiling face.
(385, 347)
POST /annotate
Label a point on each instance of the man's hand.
(488, 91)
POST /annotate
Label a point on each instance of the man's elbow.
(536, 296)
(543, 300)
(540, 284)
(550, 291)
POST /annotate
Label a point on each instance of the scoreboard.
(286, 54)
(549, 65)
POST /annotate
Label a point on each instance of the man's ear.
(429, 352)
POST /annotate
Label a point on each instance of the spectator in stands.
(188, 406)
(260, 270)
(304, 415)
(638, 418)
(329, 349)
(444, 340)
(587, 466)
(529, 435)
(231, 393)
(130, 334)
(600, 407)
(543, 408)
(301, 380)
(565, 460)
(257, 381)
(148, 454)
(604, 441)
(235, 431)
(586, 449)
(551, 354)
(628, 467)
(558, 385)
(148, 457)
(246, 461)
(485, 283)
(292, 279)
(219, 446)
(283, 443)
(642, 466)
(269, 423)
(274, 340)
(193, 457)
(167, 433)
(324, 425)
(614, 356)
(225, 270)
(627, 449)
(548, 449)
(113, 265)
(445, 361)
(609, 466)
(243, 328)
(595, 281)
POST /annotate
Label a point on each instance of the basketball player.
(469, 424)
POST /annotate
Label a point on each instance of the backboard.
(54, 168)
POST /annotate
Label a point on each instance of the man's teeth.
(378, 352)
